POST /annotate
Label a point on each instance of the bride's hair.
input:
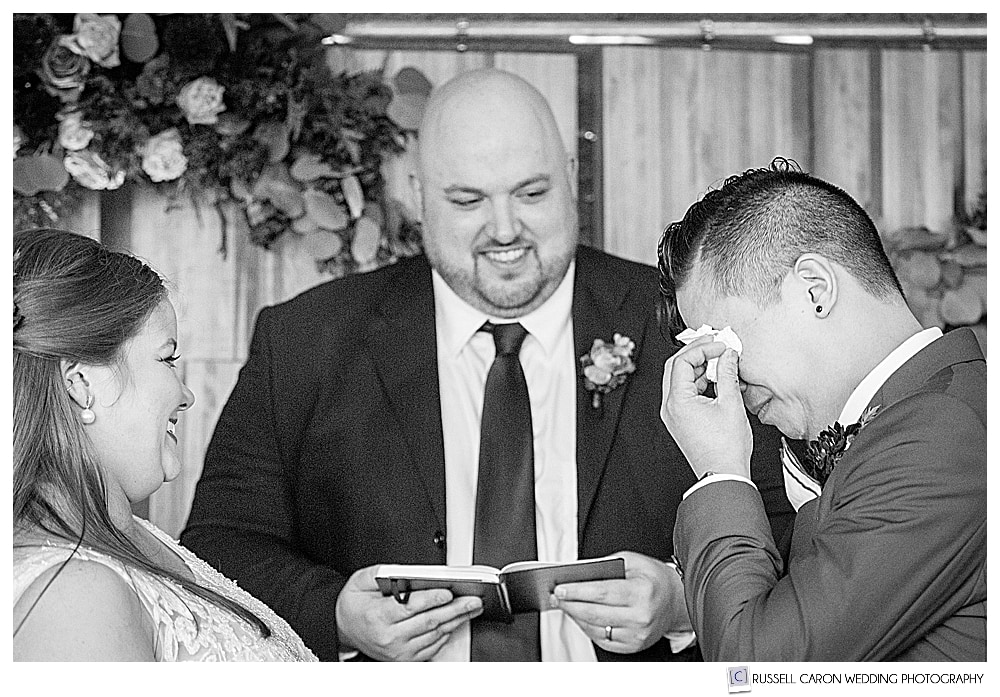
(78, 301)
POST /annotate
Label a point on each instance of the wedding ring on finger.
(607, 632)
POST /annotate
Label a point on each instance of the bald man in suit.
(353, 435)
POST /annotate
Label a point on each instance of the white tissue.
(726, 336)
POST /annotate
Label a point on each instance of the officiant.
(436, 412)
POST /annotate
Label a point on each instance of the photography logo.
(739, 679)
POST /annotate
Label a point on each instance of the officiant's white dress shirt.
(548, 358)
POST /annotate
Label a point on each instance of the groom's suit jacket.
(889, 563)
(329, 455)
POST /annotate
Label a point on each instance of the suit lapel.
(958, 346)
(597, 314)
(404, 348)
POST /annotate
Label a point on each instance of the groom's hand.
(387, 630)
(640, 609)
(713, 433)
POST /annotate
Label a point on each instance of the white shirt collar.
(458, 321)
(866, 389)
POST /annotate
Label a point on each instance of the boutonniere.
(823, 454)
(606, 366)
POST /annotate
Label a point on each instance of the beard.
(503, 295)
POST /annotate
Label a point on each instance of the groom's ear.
(816, 283)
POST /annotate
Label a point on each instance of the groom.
(889, 562)
(353, 435)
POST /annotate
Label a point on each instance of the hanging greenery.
(215, 108)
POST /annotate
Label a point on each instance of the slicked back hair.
(748, 234)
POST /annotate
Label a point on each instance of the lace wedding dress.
(187, 627)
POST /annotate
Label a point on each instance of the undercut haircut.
(748, 234)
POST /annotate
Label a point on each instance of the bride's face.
(136, 405)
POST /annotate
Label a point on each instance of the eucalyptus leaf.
(323, 244)
(324, 210)
(354, 196)
(409, 80)
(304, 225)
(288, 200)
(967, 255)
(308, 167)
(961, 306)
(240, 189)
(407, 110)
(139, 41)
(39, 173)
(365, 244)
(274, 136)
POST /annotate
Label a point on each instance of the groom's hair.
(749, 233)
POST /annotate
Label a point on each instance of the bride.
(97, 396)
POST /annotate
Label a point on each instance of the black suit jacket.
(328, 456)
(889, 563)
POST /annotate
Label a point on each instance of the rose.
(607, 366)
(201, 101)
(163, 156)
(91, 171)
(608, 361)
(63, 71)
(74, 133)
(18, 139)
(96, 37)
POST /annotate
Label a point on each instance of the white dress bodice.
(188, 628)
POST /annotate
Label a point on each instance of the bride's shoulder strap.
(70, 607)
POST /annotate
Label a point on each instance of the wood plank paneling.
(680, 120)
(554, 75)
(633, 162)
(843, 126)
(86, 219)
(921, 156)
(182, 242)
(974, 140)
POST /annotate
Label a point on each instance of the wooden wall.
(903, 131)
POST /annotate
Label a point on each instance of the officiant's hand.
(387, 630)
(640, 609)
(713, 433)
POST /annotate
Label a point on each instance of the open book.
(523, 586)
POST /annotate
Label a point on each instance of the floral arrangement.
(607, 366)
(823, 454)
(218, 108)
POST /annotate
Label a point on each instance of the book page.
(479, 572)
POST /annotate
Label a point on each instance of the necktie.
(505, 494)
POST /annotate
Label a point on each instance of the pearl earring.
(819, 309)
(87, 416)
